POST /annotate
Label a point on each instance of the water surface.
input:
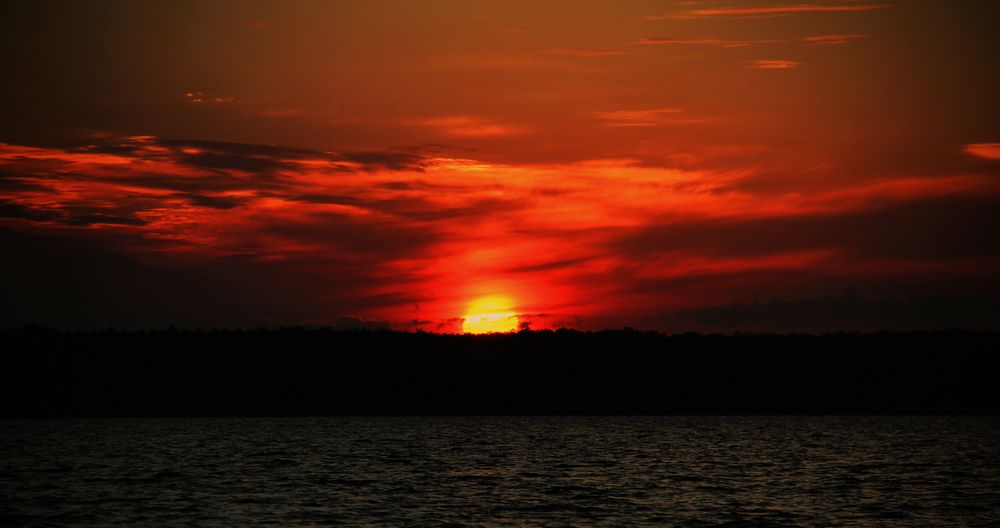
(655, 471)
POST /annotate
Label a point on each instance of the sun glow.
(489, 314)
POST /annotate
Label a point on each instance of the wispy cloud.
(769, 10)
(580, 52)
(724, 43)
(811, 40)
(831, 40)
(772, 64)
(639, 118)
(205, 98)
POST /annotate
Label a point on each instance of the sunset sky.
(559, 163)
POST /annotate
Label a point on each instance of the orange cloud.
(639, 118)
(471, 126)
(990, 151)
(772, 64)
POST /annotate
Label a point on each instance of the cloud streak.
(715, 42)
(640, 118)
(773, 64)
(464, 126)
(832, 40)
(770, 10)
(584, 53)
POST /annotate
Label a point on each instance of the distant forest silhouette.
(321, 371)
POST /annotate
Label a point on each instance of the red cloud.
(989, 151)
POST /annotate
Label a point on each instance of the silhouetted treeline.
(302, 371)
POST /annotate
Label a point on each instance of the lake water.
(655, 471)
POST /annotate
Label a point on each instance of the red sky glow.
(589, 164)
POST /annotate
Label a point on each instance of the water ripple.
(694, 472)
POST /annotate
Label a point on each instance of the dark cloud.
(215, 202)
(397, 161)
(420, 209)
(249, 150)
(79, 283)
(331, 199)
(230, 161)
(244, 157)
(99, 218)
(937, 228)
(24, 212)
(14, 182)
(353, 323)
(226, 155)
(198, 184)
(70, 216)
(211, 161)
(262, 158)
(430, 213)
(848, 311)
(450, 325)
(550, 265)
(124, 147)
(122, 214)
(353, 238)
(420, 185)
(403, 186)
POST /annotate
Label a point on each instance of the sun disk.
(489, 314)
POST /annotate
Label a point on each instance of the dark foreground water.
(662, 471)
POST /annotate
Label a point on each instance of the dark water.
(656, 471)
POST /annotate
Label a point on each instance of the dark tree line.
(320, 371)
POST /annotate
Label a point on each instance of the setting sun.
(489, 314)
(489, 166)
